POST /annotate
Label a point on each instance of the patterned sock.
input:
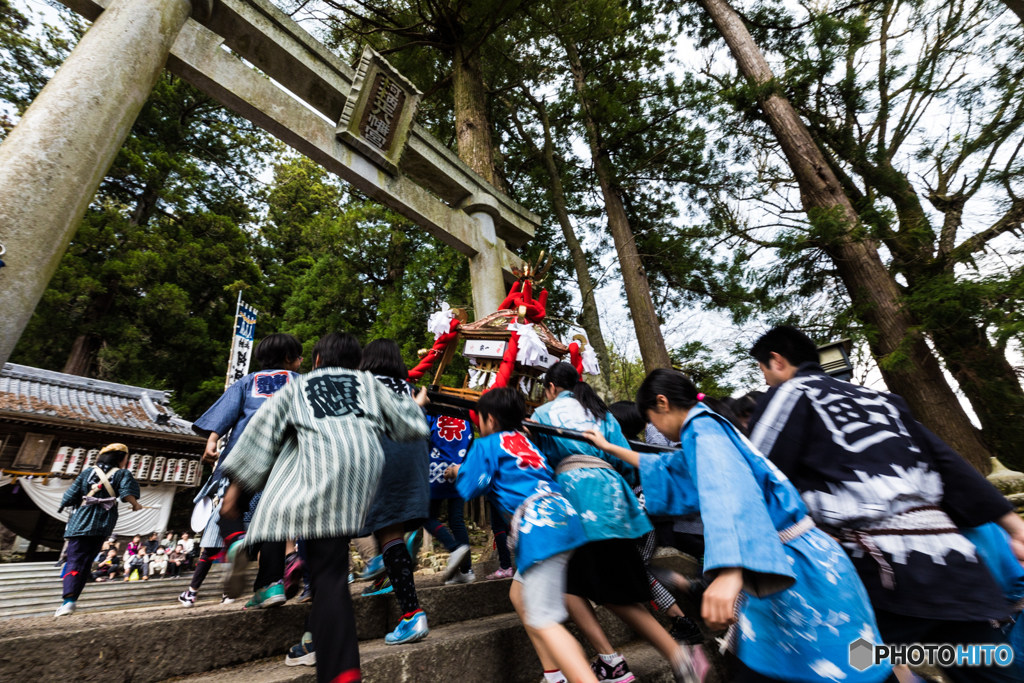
(398, 562)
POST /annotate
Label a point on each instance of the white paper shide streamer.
(589, 358)
(531, 348)
(440, 322)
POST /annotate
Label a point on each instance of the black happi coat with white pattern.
(862, 462)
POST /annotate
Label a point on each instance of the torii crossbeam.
(53, 161)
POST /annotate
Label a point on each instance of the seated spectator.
(134, 546)
(139, 562)
(152, 544)
(187, 543)
(168, 542)
(158, 565)
(107, 545)
(109, 568)
(176, 559)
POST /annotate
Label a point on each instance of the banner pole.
(234, 340)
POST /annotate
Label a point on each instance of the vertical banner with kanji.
(241, 342)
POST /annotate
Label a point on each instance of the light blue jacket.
(802, 603)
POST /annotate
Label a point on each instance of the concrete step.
(7, 567)
(39, 601)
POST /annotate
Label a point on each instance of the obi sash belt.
(787, 535)
(103, 483)
(926, 520)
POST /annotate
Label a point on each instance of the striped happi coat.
(314, 449)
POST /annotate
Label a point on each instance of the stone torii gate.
(357, 123)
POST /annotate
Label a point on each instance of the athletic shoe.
(409, 630)
(413, 543)
(225, 600)
(188, 598)
(374, 568)
(293, 568)
(307, 595)
(67, 609)
(379, 587)
(268, 596)
(684, 630)
(501, 574)
(461, 577)
(237, 558)
(351, 578)
(454, 560)
(302, 654)
(689, 665)
(606, 673)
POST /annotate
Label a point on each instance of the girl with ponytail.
(609, 569)
(780, 583)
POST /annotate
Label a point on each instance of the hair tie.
(700, 397)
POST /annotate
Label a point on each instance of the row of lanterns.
(156, 469)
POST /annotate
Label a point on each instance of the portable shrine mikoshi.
(511, 347)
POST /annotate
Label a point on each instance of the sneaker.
(293, 569)
(461, 577)
(268, 596)
(413, 543)
(68, 608)
(685, 630)
(690, 665)
(617, 673)
(302, 654)
(374, 568)
(307, 595)
(379, 587)
(500, 574)
(409, 629)
(351, 579)
(237, 558)
(188, 598)
(454, 560)
(225, 600)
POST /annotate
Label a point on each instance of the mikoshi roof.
(34, 391)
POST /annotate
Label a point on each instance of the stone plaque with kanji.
(379, 111)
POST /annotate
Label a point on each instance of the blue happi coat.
(231, 413)
(993, 545)
(802, 603)
(450, 438)
(511, 469)
(603, 498)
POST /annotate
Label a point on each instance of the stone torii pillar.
(53, 161)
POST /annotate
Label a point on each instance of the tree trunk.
(906, 362)
(80, 359)
(990, 385)
(590, 318)
(472, 123)
(634, 277)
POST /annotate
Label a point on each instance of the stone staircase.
(33, 589)
(474, 636)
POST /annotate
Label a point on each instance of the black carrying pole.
(453, 406)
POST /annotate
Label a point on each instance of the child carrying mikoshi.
(95, 493)
(314, 451)
(279, 356)
(787, 589)
(503, 463)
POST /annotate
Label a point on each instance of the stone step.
(183, 641)
(493, 649)
(7, 567)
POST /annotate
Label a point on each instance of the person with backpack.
(94, 494)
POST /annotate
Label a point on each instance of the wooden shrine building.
(52, 425)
